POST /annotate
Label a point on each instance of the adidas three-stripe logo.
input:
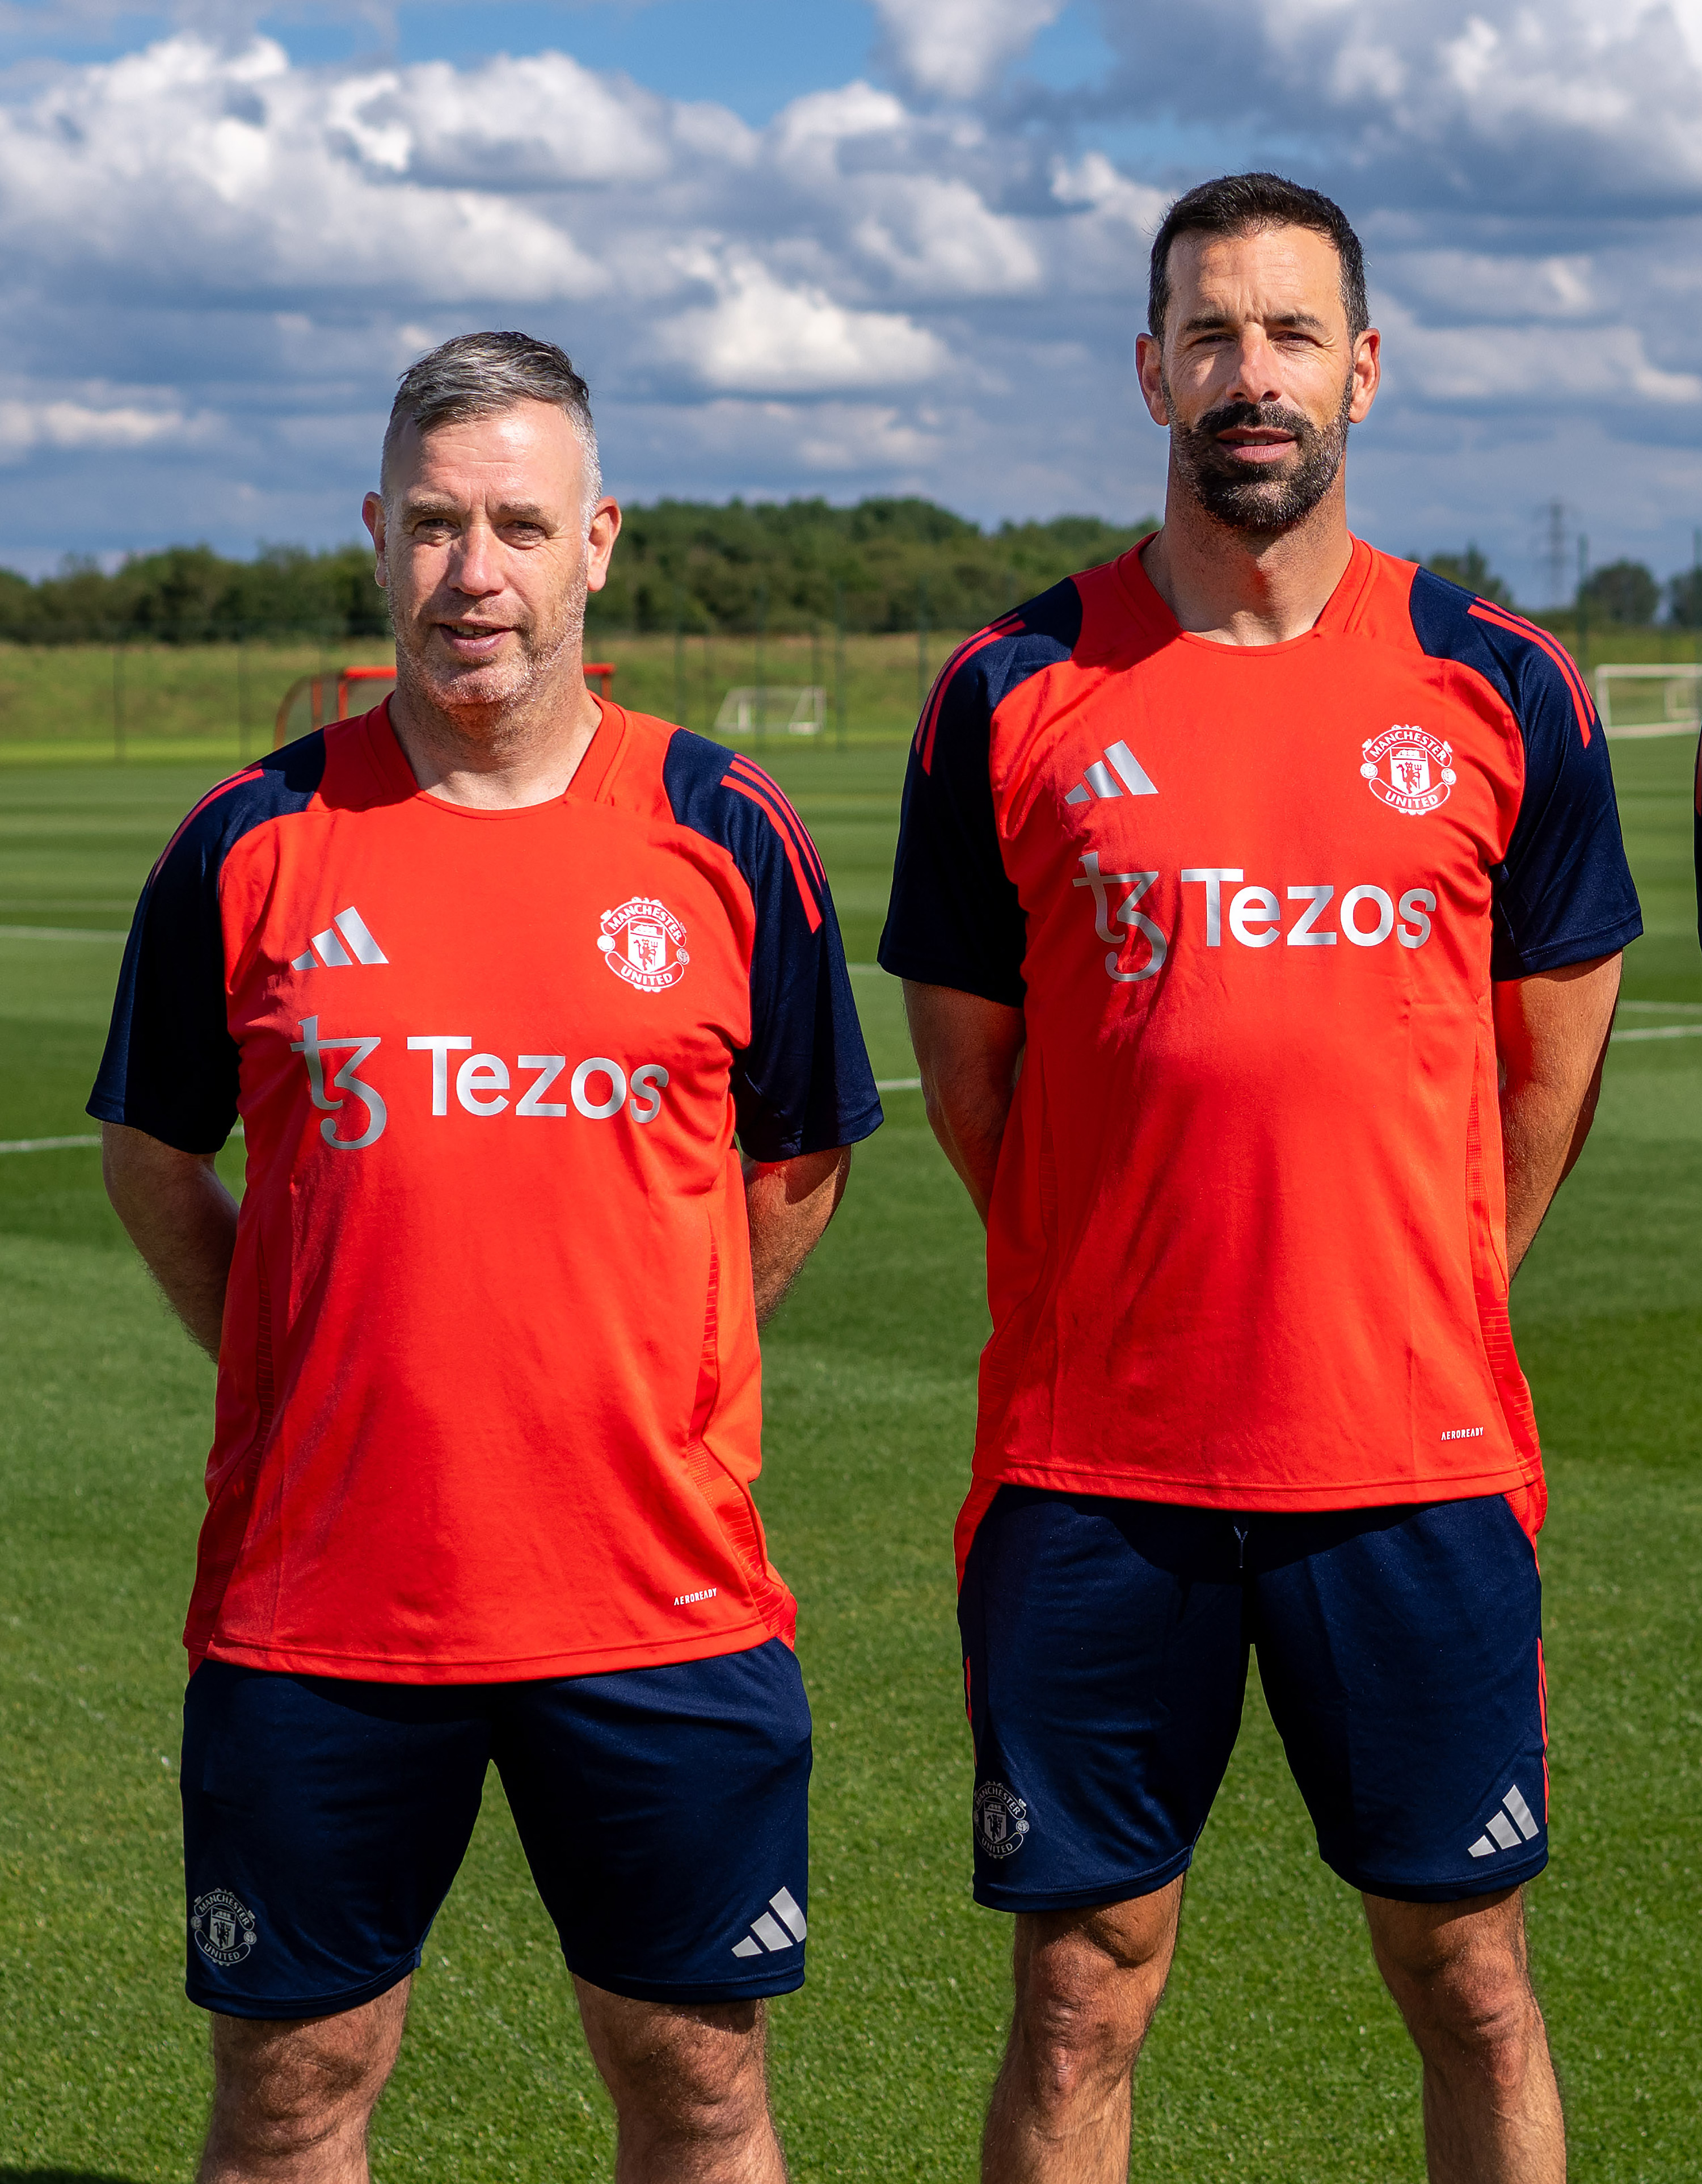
(329, 950)
(1507, 1832)
(1119, 765)
(767, 1932)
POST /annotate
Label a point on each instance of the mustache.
(1264, 416)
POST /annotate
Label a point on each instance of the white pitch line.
(57, 933)
(905, 1083)
(1665, 1008)
(867, 971)
(42, 1144)
(1662, 1031)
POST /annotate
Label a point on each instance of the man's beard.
(494, 692)
(1246, 496)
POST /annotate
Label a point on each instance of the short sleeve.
(804, 1083)
(955, 918)
(1564, 891)
(170, 1064)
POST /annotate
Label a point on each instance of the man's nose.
(477, 568)
(1257, 377)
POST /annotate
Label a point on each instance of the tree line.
(885, 564)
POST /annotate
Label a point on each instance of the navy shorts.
(664, 1812)
(1106, 1647)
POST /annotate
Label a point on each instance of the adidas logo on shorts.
(768, 1933)
(1507, 1832)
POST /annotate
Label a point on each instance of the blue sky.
(833, 246)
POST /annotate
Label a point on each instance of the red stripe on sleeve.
(747, 771)
(211, 796)
(1004, 627)
(1516, 626)
(812, 909)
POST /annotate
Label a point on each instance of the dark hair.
(1240, 204)
(481, 375)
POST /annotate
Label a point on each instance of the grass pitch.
(1275, 2056)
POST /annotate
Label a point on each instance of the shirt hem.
(112, 1111)
(583, 1660)
(1214, 1494)
(1559, 955)
(897, 964)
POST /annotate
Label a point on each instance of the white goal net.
(795, 708)
(1642, 700)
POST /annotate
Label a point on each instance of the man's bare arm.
(967, 1051)
(1551, 1033)
(790, 1204)
(181, 1220)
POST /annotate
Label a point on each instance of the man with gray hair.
(494, 976)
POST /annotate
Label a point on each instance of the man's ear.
(600, 535)
(372, 515)
(1150, 370)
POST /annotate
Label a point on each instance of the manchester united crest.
(1408, 769)
(223, 1926)
(644, 942)
(1001, 1821)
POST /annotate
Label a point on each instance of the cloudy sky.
(833, 246)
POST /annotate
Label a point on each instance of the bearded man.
(1260, 900)
(493, 976)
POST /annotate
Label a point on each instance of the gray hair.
(482, 375)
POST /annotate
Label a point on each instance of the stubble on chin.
(1259, 505)
(496, 696)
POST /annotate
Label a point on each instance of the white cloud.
(762, 337)
(1093, 180)
(1536, 365)
(1526, 104)
(223, 173)
(956, 48)
(533, 121)
(216, 262)
(75, 425)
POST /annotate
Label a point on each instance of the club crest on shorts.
(1001, 1821)
(223, 1926)
(644, 942)
(1408, 769)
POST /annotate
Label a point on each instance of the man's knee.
(283, 2085)
(691, 2072)
(1460, 1974)
(1087, 1986)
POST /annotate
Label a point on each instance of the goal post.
(1638, 698)
(795, 708)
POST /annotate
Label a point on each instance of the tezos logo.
(1001, 1821)
(223, 1926)
(636, 941)
(1408, 771)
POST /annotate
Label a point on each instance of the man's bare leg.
(1461, 1974)
(293, 2097)
(690, 2087)
(1087, 1984)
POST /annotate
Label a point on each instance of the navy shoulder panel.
(1563, 893)
(985, 669)
(954, 918)
(803, 1084)
(727, 797)
(170, 1065)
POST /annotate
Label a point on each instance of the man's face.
(483, 546)
(1258, 377)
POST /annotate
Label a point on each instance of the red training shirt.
(489, 1388)
(1247, 1245)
